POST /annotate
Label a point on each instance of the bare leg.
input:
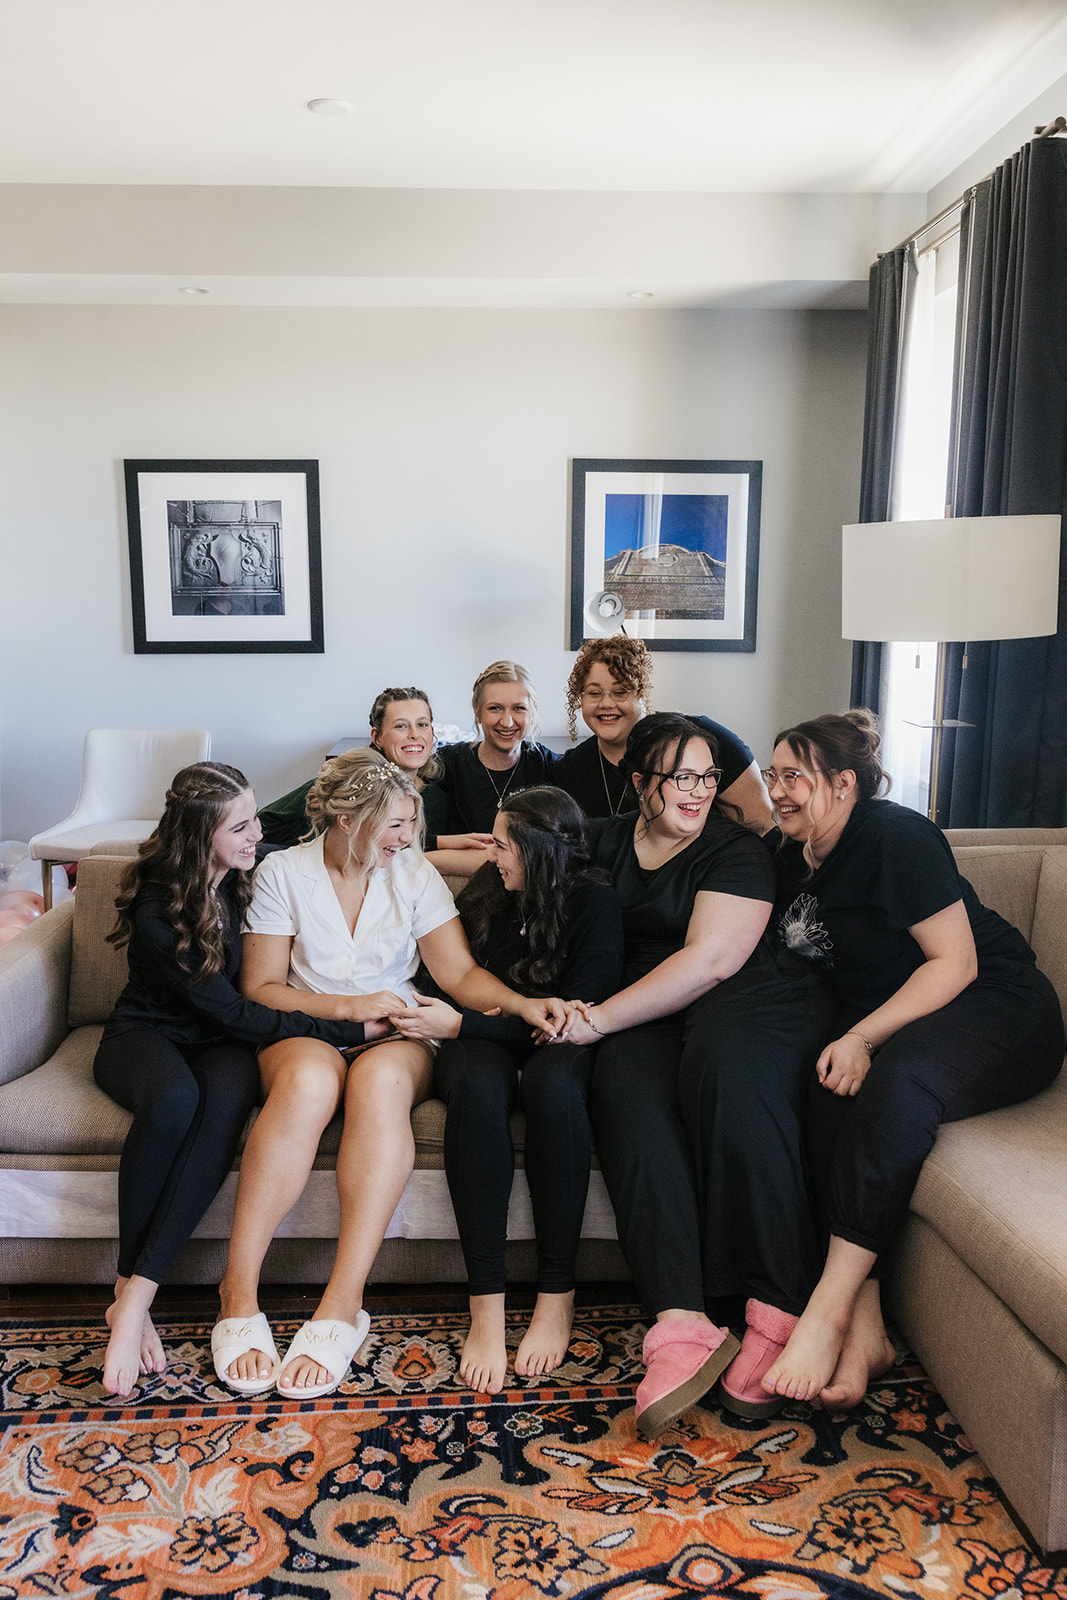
(810, 1358)
(866, 1353)
(544, 1344)
(304, 1080)
(130, 1352)
(374, 1163)
(483, 1365)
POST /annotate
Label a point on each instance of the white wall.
(443, 439)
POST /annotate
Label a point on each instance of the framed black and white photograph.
(224, 556)
(667, 549)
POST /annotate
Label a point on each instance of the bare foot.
(254, 1365)
(544, 1344)
(808, 1361)
(483, 1365)
(866, 1353)
(303, 1373)
(129, 1354)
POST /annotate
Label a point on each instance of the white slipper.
(236, 1336)
(330, 1344)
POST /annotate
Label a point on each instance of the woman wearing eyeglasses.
(940, 1013)
(701, 1072)
(611, 686)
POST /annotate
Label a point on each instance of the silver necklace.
(501, 794)
(612, 808)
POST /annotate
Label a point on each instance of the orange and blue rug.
(404, 1484)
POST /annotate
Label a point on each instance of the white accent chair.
(125, 775)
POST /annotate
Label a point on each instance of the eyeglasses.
(687, 781)
(594, 696)
(788, 779)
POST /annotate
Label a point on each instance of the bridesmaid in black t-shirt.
(940, 1014)
(610, 684)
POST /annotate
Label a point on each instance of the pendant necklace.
(501, 794)
(613, 809)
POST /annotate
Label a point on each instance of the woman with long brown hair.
(179, 1048)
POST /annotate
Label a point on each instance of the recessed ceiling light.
(191, 290)
(330, 108)
(640, 294)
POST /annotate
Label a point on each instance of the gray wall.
(443, 439)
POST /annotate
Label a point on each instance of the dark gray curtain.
(1010, 768)
(885, 338)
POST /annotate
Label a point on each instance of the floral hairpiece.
(373, 777)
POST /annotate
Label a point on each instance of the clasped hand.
(843, 1065)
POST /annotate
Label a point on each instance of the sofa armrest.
(34, 981)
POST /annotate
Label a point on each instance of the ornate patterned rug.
(404, 1485)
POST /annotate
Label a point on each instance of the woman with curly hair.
(350, 912)
(179, 1048)
(546, 921)
(610, 684)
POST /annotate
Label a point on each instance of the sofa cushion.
(994, 1188)
(1005, 878)
(1049, 933)
(98, 971)
(58, 1110)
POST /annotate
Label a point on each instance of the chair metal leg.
(46, 884)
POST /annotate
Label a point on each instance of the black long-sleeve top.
(162, 996)
(591, 968)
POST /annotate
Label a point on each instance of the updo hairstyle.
(363, 785)
(505, 672)
(627, 659)
(848, 741)
(648, 754)
(433, 767)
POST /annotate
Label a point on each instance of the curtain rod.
(1047, 132)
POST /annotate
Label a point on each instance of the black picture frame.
(225, 556)
(701, 599)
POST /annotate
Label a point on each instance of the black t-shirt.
(591, 964)
(162, 996)
(603, 791)
(658, 903)
(474, 792)
(890, 869)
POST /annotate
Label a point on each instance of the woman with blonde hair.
(478, 777)
(610, 685)
(347, 914)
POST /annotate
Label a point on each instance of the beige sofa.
(978, 1285)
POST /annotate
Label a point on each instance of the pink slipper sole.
(740, 1388)
(684, 1356)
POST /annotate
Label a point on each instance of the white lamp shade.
(954, 579)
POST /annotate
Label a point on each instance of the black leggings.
(189, 1105)
(995, 1045)
(698, 1120)
(479, 1081)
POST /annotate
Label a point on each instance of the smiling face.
(397, 835)
(609, 709)
(505, 857)
(810, 805)
(670, 809)
(233, 844)
(503, 714)
(406, 735)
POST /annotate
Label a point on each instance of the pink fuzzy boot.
(740, 1387)
(684, 1356)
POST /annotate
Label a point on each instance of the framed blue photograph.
(673, 545)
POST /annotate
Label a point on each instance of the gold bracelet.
(593, 1025)
(866, 1043)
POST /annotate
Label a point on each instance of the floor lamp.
(950, 580)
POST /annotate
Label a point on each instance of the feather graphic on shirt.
(800, 930)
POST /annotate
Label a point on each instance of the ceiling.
(516, 98)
